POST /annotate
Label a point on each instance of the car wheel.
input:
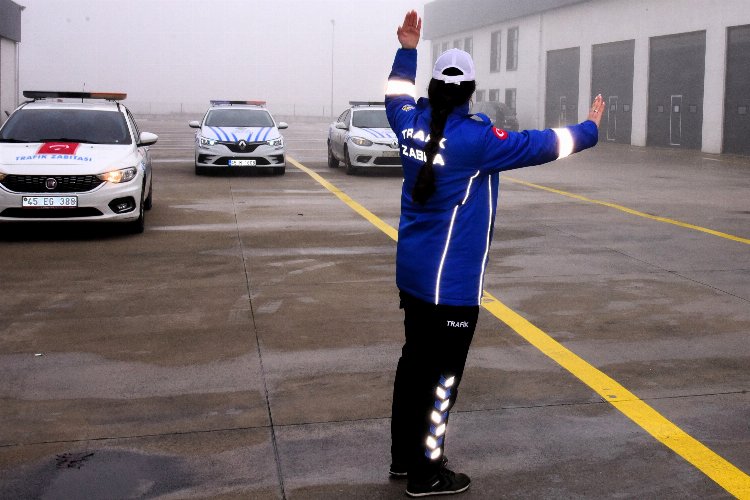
(279, 170)
(138, 225)
(350, 170)
(200, 170)
(148, 203)
(332, 161)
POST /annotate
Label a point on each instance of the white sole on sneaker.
(435, 493)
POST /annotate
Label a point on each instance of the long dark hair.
(444, 97)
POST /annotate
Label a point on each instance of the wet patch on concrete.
(230, 464)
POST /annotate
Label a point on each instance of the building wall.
(10, 35)
(584, 25)
(8, 80)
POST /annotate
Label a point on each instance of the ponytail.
(444, 97)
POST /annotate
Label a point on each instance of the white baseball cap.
(454, 58)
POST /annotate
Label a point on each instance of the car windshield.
(370, 118)
(239, 118)
(68, 125)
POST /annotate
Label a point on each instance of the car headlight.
(119, 176)
(205, 141)
(277, 143)
(361, 141)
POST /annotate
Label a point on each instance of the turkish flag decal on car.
(58, 148)
(500, 133)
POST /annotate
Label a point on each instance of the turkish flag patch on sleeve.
(58, 148)
(500, 133)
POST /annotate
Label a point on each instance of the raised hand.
(409, 32)
(597, 110)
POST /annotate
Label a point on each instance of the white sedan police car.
(75, 156)
(239, 134)
(362, 138)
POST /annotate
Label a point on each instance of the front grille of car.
(387, 161)
(50, 213)
(235, 148)
(224, 160)
(38, 183)
(277, 159)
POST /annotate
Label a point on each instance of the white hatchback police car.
(239, 134)
(75, 156)
(362, 138)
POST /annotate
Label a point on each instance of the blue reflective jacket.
(444, 244)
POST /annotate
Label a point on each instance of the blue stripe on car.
(223, 136)
(216, 133)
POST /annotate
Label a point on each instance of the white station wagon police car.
(362, 138)
(239, 134)
(75, 156)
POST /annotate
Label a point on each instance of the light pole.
(333, 32)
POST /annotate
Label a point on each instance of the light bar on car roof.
(367, 103)
(43, 94)
(254, 103)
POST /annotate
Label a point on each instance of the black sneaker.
(443, 482)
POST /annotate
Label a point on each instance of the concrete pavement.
(244, 346)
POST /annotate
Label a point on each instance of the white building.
(10, 37)
(675, 73)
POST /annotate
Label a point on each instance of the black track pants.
(427, 379)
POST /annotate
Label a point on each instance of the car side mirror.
(282, 125)
(194, 124)
(341, 125)
(147, 138)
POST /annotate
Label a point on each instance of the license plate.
(390, 154)
(241, 163)
(49, 201)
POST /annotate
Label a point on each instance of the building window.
(510, 98)
(495, 45)
(457, 43)
(511, 60)
(494, 95)
(444, 47)
(469, 45)
(479, 96)
(435, 52)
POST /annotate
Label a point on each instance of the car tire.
(200, 170)
(332, 161)
(279, 170)
(148, 203)
(137, 226)
(350, 169)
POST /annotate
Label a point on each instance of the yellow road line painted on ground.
(712, 465)
(721, 471)
(631, 211)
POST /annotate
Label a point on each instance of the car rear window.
(66, 125)
(370, 118)
(239, 118)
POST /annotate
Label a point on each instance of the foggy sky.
(167, 52)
